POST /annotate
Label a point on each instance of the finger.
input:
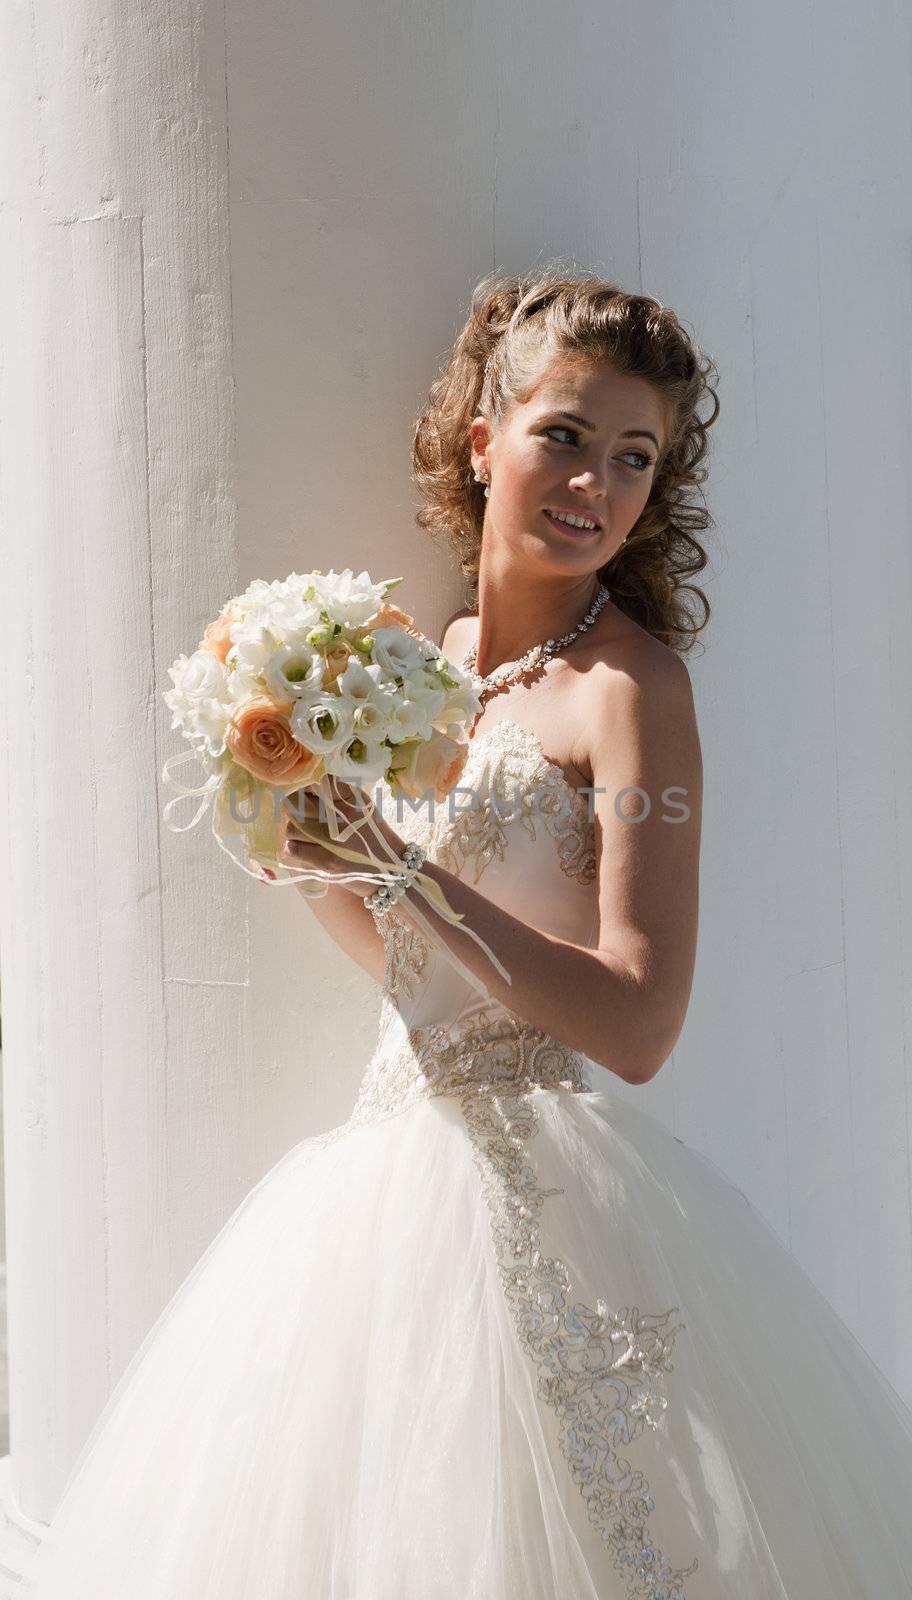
(301, 852)
(306, 808)
(298, 800)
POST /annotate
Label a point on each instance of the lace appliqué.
(601, 1371)
(490, 1053)
(524, 787)
(407, 954)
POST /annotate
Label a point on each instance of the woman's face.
(598, 462)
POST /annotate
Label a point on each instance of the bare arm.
(347, 920)
(643, 737)
(586, 998)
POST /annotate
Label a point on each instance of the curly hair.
(516, 326)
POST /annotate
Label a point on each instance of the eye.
(574, 431)
(644, 458)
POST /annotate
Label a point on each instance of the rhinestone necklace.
(511, 670)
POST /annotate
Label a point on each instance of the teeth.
(575, 522)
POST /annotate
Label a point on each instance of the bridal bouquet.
(317, 681)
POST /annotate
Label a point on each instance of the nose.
(589, 482)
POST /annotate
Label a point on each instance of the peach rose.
(390, 616)
(217, 637)
(260, 740)
(336, 661)
(431, 764)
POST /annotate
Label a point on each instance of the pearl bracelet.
(388, 893)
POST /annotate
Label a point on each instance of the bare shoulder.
(638, 709)
(633, 663)
(457, 631)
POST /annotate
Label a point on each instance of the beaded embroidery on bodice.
(518, 829)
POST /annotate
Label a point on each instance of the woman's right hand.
(297, 850)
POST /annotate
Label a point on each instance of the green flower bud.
(321, 637)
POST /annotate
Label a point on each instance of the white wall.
(235, 253)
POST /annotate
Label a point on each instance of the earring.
(480, 478)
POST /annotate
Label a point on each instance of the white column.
(123, 1015)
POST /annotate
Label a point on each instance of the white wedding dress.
(500, 1336)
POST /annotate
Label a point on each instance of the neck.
(515, 613)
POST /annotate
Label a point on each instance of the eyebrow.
(629, 433)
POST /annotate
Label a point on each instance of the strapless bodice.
(516, 828)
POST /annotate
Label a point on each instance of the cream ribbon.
(369, 867)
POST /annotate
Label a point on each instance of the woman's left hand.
(298, 851)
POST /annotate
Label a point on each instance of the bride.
(501, 1335)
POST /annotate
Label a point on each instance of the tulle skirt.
(513, 1349)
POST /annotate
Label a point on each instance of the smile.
(574, 525)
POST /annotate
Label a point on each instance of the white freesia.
(250, 653)
(296, 590)
(274, 621)
(424, 699)
(351, 600)
(255, 594)
(242, 686)
(360, 684)
(210, 725)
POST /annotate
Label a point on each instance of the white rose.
(194, 678)
(395, 652)
(202, 675)
(461, 706)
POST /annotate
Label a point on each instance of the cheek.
(635, 491)
(519, 476)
